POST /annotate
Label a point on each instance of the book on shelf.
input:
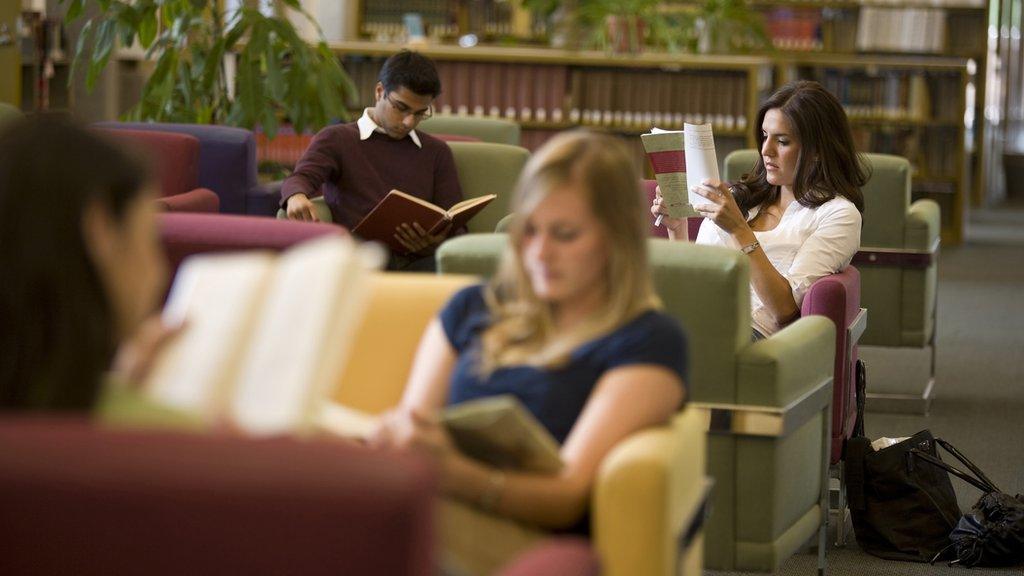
(264, 335)
(400, 208)
(497, 430)
(681, 160)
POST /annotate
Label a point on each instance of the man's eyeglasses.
(404, 109)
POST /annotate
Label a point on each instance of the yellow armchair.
(648, 502)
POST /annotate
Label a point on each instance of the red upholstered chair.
(175, 161)
(80, 499)
(186, 234)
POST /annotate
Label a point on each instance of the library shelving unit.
(911, 106)
(547, 90)
(911, 72)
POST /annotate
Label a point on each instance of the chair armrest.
(779, 369)
(922, 225)
(476, 254)
(647, 491)
(198, 200)
(556, 557)
(319, 207)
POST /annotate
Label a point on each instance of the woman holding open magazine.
(798, 213)
(570, 327)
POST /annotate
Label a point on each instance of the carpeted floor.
(979, 389)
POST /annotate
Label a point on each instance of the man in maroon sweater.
(355, 165)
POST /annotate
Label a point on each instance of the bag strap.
(857, 449)
(953, 470)
(966, 462)
(860, 390)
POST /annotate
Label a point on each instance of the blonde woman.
(570, 326)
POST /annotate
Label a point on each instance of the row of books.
(437, 12)
(918, 30)
(440, 17)
(639, 99)
(522, 92)
(795, 29)
(897, 95)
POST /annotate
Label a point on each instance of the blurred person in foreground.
(82, 265)
(571, 327)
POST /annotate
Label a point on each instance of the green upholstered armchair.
(483, 168)
(767, 405)
(493, 130)
(897, 262)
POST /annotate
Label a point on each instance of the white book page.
(701, 160)
(301, 337)
(217, 298)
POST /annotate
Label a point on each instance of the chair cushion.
(186, 234)
(227, 159)
(80, 499)
(486, 168)
(174, 157)
(493, 130)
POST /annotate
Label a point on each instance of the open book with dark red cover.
(398, 207)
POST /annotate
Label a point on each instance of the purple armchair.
(227, 164)
(175, 161)
(76, 498)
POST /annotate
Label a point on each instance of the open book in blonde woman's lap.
(497, 430)
(265, 336)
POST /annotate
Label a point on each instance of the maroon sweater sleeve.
(320, 163)
(447, 190)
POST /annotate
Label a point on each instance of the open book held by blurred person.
(264, 336)
(398, 207)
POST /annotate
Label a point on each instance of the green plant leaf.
(104, 43)
(74, 10)
(83, 38)
(147, 28)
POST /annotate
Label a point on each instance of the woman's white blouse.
(807, 244)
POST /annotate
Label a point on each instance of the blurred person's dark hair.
(57, 326)
(411, 70)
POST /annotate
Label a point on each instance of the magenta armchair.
(79, 499)
(174, 159)
(186, 234)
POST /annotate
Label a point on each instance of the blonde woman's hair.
(522, 329)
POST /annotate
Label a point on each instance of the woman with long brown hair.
(797, 214)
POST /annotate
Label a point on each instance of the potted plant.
(277, 73)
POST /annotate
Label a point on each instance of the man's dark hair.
(411, 70)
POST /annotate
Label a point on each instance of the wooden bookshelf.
(548, 90)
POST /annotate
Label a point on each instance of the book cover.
(682, 160)
(398, 207)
